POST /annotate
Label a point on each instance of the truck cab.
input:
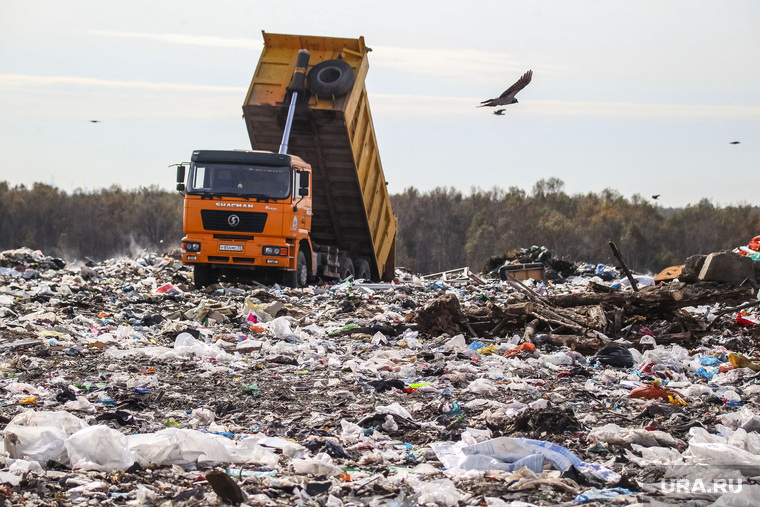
(245, 210)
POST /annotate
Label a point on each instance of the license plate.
(231, 248)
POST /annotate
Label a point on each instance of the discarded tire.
(331, 77)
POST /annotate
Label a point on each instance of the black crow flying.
(508, 97)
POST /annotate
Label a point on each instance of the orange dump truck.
(322, 212)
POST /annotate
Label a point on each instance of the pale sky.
(642, 97)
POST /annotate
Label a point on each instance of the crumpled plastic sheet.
(511, 454)
(749, 496)
(60, 436)
(614, 434)
(442, 492)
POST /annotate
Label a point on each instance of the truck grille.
(219, 220)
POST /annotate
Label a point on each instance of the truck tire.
(362, 270)
(203, 275)
(331, 77)
(346, 268)
(299, 277)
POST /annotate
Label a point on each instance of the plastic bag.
(248, 450)
(10, 478)
(749, 496)
(288, 447)
(187, 344)
(557, 359)
(614, 434)
(321, 465)
(615, 355)
(716, 450)
(654, 456)
(456, 343)
(161, 448)
(179, 446)
(525, 347)
(655, 391)
(509, 450)
(482, 386)
(280, 327)
(395, 409)
(442, 492)
(39, 436)
(99, 448)
(674, 357)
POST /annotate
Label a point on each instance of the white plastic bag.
(482, 386)
(321, 465)
(394, 408)
(99, 448)
(749, 496)
(187, 344)
(280, 327)
(442, 492)
(248, 450)
(39, 436)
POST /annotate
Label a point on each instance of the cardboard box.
(534, 270)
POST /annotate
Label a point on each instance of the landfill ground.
(123, 385)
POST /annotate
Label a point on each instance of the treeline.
(96, 224)
(444, 229)
(438, 230)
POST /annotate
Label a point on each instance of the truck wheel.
(346, 268)
(362, 270)
(203, 275)
(331, 77)
(299, 277)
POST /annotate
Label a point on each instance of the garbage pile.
(556, 269)
(752, 250)
(122, 385)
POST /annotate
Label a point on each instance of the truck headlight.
(191, 246)
(274, 250)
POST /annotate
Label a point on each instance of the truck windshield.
(270, 182)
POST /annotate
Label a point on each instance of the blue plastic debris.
(602, 495)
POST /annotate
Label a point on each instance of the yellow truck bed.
(351, 205)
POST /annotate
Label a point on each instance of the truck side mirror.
(181, 178)
(303, 183)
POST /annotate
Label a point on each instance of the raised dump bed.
(334, 133)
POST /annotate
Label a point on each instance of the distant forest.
(440, 229)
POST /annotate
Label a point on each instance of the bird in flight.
(94, 121)
(508, 97)
(499, 112)
(656, 196)
(734, 142)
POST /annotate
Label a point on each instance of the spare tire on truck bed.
(331, 77)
